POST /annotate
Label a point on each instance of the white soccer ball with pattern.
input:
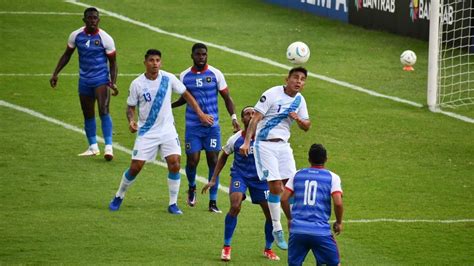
(408, 58)
(298, 53)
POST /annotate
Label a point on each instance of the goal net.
(451, 70)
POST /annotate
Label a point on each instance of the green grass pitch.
(407, 173)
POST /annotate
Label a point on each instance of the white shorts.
(145, 149)
(274, 160)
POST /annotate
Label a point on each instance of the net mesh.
(456, 54)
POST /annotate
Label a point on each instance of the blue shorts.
(324, 249)
(87, 86)
(200, 137)
(258, 189)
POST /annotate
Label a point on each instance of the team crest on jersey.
(188, 146)
(208, 79)
(97, 42)
(265, 173)
(263, 98)
(236, 184)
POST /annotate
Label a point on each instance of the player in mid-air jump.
(95, 48)
(276, 110)
(244, 175)
(151, 93)
(204, 82)
(313, 188)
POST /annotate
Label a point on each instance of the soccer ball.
(298, 53)
(408, 58)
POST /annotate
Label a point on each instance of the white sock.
(94, 147)
(124, 184)
(276, 214)
(173, 187)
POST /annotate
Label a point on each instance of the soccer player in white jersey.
(244, 175)
(313, 188)
(276, 110)
(205, 83)
(156, 132)
(95, 48)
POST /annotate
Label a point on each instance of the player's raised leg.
(275, 187)
(88, 111)
(128, 178)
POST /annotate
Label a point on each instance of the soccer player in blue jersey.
(278, 108)
(151, 94)
(313, 188)
(204, 82)
(95, 48)
(244, 175)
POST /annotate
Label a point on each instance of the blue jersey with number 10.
(312, 189)
(204, 86)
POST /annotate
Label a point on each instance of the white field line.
(135, 75)
(389, 220)
(241, 53)
(204, 180)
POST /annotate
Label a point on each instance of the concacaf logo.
(358, 4)
(414, 8)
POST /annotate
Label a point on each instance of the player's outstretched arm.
(229, 105)
(204, 118)
(219, 166)
(62, 62)
(113, 74)
(178, 102)
(338, 211)
(132, 125)
(244, 148)
(304, 124)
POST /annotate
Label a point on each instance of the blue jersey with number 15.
(204, 85)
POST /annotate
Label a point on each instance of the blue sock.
(268, 234)
(107, 128)
(213, 190)
(90, 128)
(191, 175)
(128, 176)
(230, 224)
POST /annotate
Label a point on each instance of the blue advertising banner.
(333, 9)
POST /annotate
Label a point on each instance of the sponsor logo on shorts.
(188, 146)
(263, 99)
(236, 184)
(265, 173)
(135, 152)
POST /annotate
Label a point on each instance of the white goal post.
(451, 54)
